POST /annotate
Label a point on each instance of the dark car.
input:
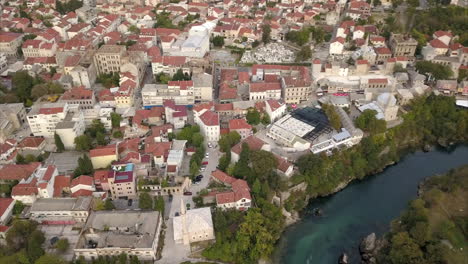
(130, 202)
(187, 193)
(200, 176)
(177, 214)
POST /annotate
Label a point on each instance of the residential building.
(240, 126)
(12, 116)
(9, 44)
(82, 186)
(209, 125)
(6, 210)
(385, 106)
(81, 96)
(193, 225)
(202, 87)
(43, 118)
(38, 48)
(175, 114)
(8, 151)
(239, 197)
(337, 46)
(169, 65)
(402, 45)
(102, 157)
(122, 181)
(275, 109)
(71, 127)
(38, 185)
(61, 211)
(18, 172)
(155, 94)
(83, 74)
(108, 58)
(111, 233)
(259, 91)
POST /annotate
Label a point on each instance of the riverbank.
(362, 208)
(433, 226)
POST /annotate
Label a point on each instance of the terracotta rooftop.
(238, 124)
(18, 172)
(103, 151)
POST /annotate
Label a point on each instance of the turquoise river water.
(361, 208)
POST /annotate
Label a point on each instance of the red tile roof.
(18, 172)
(61, 182)
(79, 92)
(223, 177)
(50, 110)
(4, 204)
(83, 179)
(210, 118)
(82, 192)
(224, 107)
(101, 176)
(264, 86)
(253, 142)
(238, 124)
(24, 189)
(274, 104)
(103, 151)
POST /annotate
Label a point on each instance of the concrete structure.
(385, 106)
(72, 126)
(110, 233)
(9, 44)
(193, 225)
(108, 58)
(197, 43)
(12, 117)
(241, 127)
(209, 125)
(39, 185)
(43, 118)
(202, 87)
(275, 109)
(122, 181)
(239, 198)
(402, 45)
(61, 210)
(81, 96)
(156, 94)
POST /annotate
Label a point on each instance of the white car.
(207, 155)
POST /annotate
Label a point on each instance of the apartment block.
(108, 58)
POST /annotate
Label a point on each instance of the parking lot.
(123, 204)
(66, 162)
(60, 232)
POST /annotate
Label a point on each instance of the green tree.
(404, 250)
(333, 116)
(194, 168)
(62, 245)
(59, 143)
(83, 143)
(159, 204)
(50, 259)
(117, 134)
(303, 54)
(180, 76)
(438, 71)
(108, 205)
(197, 139)
(266, 33)
(85, 166)
(29, 158)
(227, 141)
(133, 29)
(35, 241)
(115, 119)
(96, 127)
(20, 159)
(101, 139)
(253, 116)
(368, 122)
(145, 201)
(22, 84)
(263, 163)
(224, 161)
(18, 208)
(218, 41)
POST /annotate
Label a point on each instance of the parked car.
(209, 145)
(207, 155)
(200, 176)
(187, 193)
(177, 214)
(205, 163)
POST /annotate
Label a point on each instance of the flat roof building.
(110, 233)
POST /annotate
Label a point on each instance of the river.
(361, 208)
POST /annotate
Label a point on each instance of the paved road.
(177, 253)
